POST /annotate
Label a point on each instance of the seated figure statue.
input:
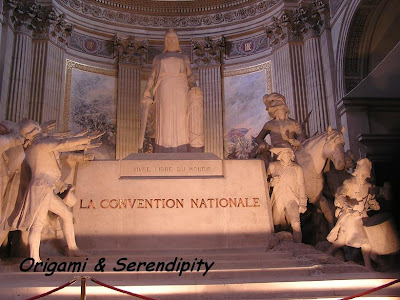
(288, 196)
(353, 200)
(41, 197)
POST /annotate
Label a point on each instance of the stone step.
(297, 272)
(319, 288)
(246, 275)
(218, 265)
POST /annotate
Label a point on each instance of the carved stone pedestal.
(194, 201)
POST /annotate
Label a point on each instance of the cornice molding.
(102, 14)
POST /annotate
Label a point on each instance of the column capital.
(130, 51)
(208, 52)
(53, 27)
(1, 12)
(316, 17)
(293, 25)
(21, 14)
(288, 27)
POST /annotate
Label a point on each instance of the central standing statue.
(168, 87)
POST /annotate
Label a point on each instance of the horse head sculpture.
(334, 147)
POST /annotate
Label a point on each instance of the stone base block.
(123, 212)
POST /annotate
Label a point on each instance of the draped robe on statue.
(172, 77)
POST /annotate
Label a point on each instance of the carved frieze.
(208, 52)
(130, 51)
(119, 16)
(92, 46)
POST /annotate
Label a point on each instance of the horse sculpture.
(312, 157)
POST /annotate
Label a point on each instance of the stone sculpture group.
(31, 144)
(173, 106)
(294, 170)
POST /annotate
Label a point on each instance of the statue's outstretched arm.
(78, 143)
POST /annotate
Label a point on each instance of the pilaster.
(208, 57)
(131, 55)
(48, 67)
(1, 19)
(285, 34)
(316, 86)
(299, 70)
(21, 16)
(6, 54)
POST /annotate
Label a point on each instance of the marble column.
(131, 55)
(315, 85)
(1, 19)
(299, 67)
(20, 78)
(48, 68)
(208, 57)
(6, 53)
(314, 17)
(328, 63)
(289, 78)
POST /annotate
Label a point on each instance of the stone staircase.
(289, 271)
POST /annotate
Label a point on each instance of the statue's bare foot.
(76, 253)
(37, 260)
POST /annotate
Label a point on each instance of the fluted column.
(6, 52)
(316, 90)
(316, 94)
(208, 57)
(48, 67)
(288, 64)
(131, 54)
(328, 63)
(20, 78)
(1, 19)
(290, 80)
(298, 63)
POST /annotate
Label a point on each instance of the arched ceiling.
(173, 7)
